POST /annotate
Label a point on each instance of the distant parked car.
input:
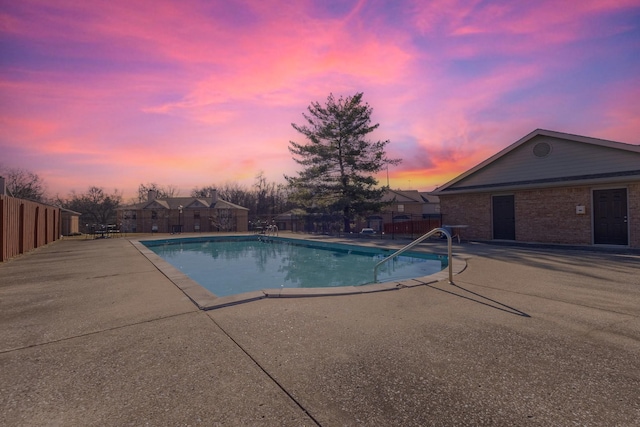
(368, 231)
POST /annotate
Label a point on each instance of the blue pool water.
(233, 265)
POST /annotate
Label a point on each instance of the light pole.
(179, 219)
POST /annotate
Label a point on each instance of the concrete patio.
(93, 334)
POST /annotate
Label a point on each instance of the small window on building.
(400, 208)
(154, 214)
(196, 214)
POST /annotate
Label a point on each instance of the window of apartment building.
(400, 208)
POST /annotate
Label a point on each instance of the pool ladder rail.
(416, 242)
(271, 230)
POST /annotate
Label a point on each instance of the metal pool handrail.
(273, 229)
(414, 243)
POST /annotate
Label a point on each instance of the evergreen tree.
(338, 161)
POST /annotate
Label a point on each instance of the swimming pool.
(233, 265)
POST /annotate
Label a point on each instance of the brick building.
(550, 187)
(183, 215)
(406, 206)
(407, 211)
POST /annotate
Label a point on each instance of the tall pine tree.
(339, 163)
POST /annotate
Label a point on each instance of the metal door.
(504, 218)
(610, 217)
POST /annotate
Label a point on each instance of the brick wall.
(167, 219)
(409, 208)
(473, 210)
(549, 215)
(543, 215)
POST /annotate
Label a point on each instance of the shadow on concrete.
(482, 300)
(569, 260)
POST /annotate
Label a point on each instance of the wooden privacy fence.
(26, 225)
(412, 227)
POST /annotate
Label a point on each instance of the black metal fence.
(399, 226)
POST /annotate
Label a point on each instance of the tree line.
(337, 172)
(98, 207)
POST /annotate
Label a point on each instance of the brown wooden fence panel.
(418, 227)
(26, 225)
(10, 227)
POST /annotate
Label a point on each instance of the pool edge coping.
(206, 300)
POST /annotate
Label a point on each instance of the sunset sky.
(200, 92)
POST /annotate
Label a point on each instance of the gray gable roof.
(402, 196)
(429, 198)
(185, 202)
(549, 158)
(70, 212)
(157, 204)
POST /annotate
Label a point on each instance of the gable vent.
(541, 149)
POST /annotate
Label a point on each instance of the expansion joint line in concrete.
(115, 328)
(276, 382)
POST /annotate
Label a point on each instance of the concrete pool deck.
(92, 333)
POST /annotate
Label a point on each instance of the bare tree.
(96, 206)
(204, 191)
(271, 198)
(264, 199)
(162, 192)
(24, 184)
(231, 192)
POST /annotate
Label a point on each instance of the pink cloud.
(620, 109)
(197, 93)
(280, 60)
(458, 17)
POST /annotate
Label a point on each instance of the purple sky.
(196, 93)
